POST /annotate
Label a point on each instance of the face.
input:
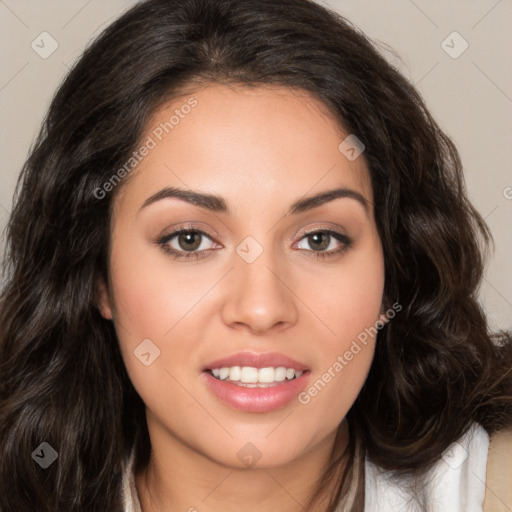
(241, 328)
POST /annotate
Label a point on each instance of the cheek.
(344, 358)
(349, 305)
(151, 306)
(152, 311)
(152, 293)
(347, 300)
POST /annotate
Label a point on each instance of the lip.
(256, 399)
(256, 360)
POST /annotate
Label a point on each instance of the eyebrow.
(216, 203)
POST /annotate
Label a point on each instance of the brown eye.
(189, 241)
(186, 243)
(326, 242)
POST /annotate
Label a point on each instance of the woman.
(241, 274)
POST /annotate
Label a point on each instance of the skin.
(261, 149)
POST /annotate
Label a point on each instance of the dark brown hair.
(436, 370)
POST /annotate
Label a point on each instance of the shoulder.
(455, 482)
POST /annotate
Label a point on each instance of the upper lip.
(256, 360)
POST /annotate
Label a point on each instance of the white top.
(456, 481)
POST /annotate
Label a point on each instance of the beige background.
(470, 96)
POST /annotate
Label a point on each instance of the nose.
(259, 296)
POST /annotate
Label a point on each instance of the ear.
(103, 299)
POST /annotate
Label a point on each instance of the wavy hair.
(437, 367)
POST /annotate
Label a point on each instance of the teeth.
(235, 373)
(249, 375)
(253, 376)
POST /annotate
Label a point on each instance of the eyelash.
(163, 242)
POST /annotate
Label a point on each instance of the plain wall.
(470, 96)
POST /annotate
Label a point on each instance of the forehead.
(267, 144)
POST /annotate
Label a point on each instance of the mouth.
(253, 382)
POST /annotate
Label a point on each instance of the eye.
(186, 243)
(325, 241)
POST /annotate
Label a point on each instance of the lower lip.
(257, 399)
